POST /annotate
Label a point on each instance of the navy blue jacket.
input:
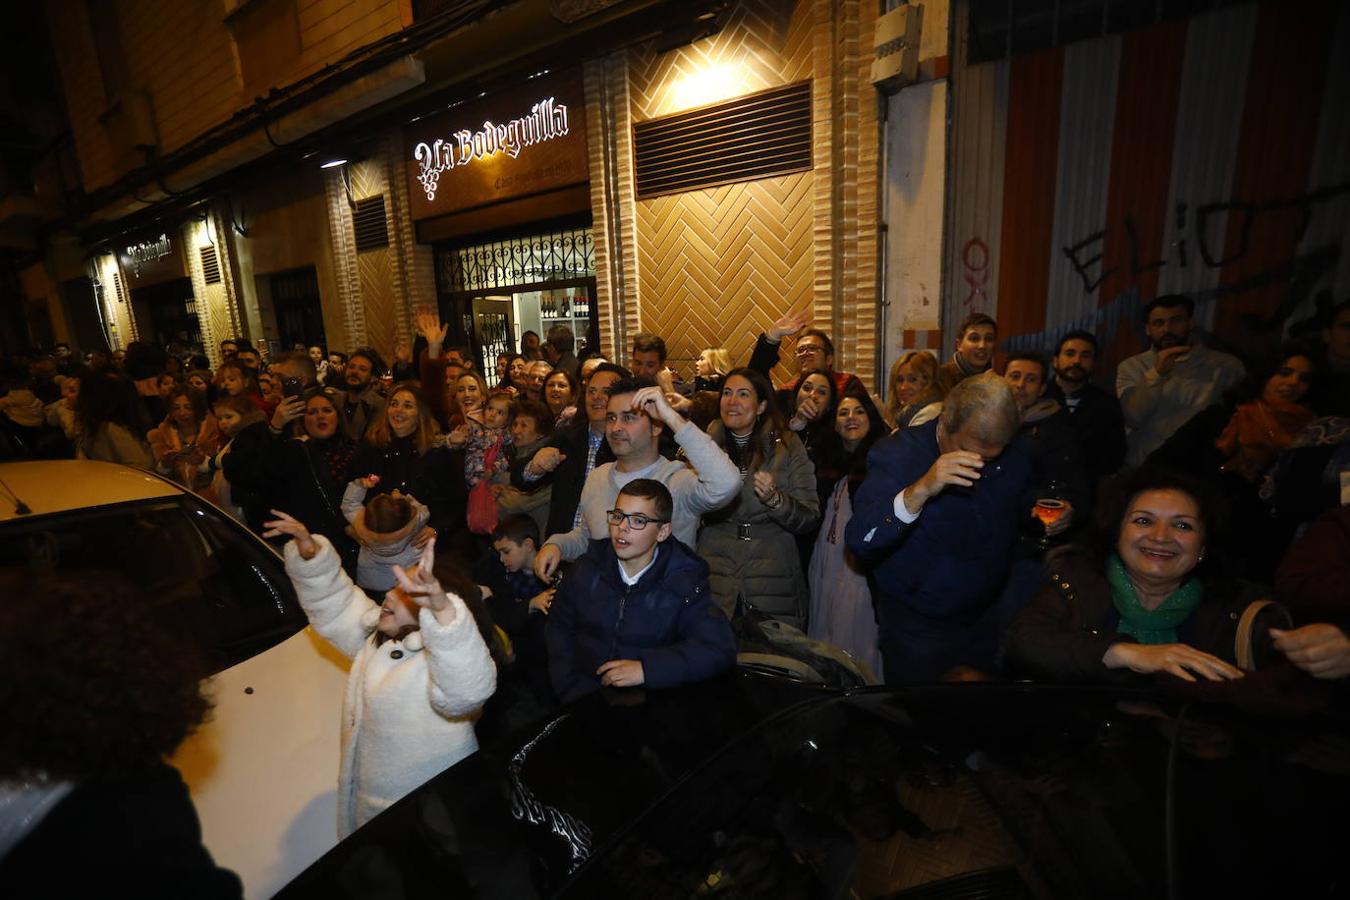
(950, 564)
(667, 621)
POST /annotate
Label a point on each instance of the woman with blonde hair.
(915, 392)
(710, 368)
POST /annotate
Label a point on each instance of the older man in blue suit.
(935, 521)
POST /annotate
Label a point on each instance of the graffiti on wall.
(1201, 240)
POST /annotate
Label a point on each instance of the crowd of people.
(607, 526)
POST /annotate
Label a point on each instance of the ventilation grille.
(755, 136)
(210, 265)
(372, 230)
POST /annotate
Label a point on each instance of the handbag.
(1252, 648)
(482, 511)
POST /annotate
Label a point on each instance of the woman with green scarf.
(1145, 603)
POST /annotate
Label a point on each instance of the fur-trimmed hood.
(391, 543)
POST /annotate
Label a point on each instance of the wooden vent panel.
(372, 229)
(210, 265)
(756, 136)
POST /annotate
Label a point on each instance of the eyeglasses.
(636, 521)
(808, 349)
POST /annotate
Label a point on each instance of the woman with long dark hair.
(750, 544)
(111, 421)
(842, 609)
(310, 473)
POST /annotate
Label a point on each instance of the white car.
(263, 769)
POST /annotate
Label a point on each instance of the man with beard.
(1161, 388)
(1093, 412)
(362, 403)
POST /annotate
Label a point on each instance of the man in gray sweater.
(634, 423)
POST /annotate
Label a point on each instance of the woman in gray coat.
(749, 544)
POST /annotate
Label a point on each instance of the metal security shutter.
(210, 265)
(372, 229)
(756, 136)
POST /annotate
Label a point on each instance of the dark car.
(753, 787)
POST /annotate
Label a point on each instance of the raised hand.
(430, 327)
(652, 401)
(789, 325)
(422, 588)
(287, 410)
(288, 526)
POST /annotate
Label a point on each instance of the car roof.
(61, 485)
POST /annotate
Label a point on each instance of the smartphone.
(292, 387)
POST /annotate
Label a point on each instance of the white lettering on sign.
(547, 120)
(148, 252)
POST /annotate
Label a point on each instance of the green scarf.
(1150, 626)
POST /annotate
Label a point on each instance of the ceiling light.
(333, 164)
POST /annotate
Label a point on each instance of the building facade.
(316, 171)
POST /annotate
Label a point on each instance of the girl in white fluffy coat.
(420, 672)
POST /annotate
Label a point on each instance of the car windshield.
(211, 579)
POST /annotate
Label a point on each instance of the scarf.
(966, 368)
(1150, 626)
(1257, 433)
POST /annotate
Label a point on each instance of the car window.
(211, 579)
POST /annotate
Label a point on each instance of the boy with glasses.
(635, 609)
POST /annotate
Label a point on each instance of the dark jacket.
(1314, 578)
(667, 621)
(303, 487)
(436, 478)
(568, 479)
(1056, 455)
(132, 837)
(247, 467)
(1069, 625)
(1101, 429)
(949, 564)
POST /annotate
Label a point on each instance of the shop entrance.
(167, 312)
(492, 293)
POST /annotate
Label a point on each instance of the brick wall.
(187, 59)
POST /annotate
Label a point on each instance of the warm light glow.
(710, 84)
(333, 164)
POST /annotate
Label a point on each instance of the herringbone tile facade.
(713, 268)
